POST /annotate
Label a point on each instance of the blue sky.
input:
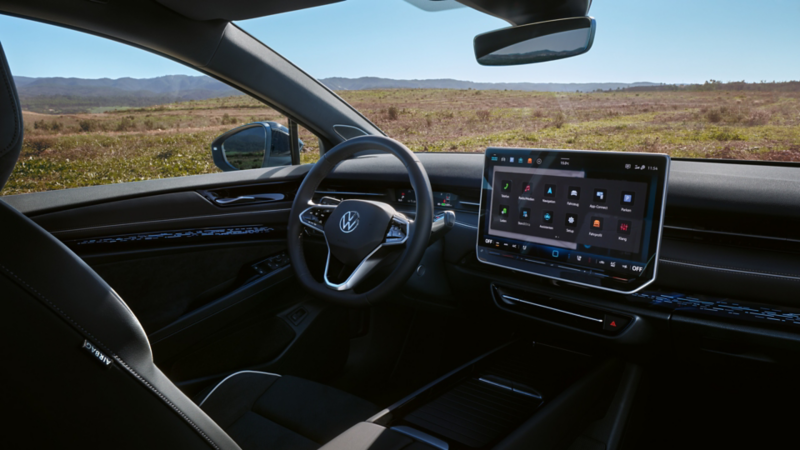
(675, 41)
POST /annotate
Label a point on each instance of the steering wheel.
(360, 234)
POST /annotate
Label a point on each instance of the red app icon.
(624, 227)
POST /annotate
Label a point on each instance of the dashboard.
(440, 199)
(728, 265)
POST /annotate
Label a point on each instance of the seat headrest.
(11, 126)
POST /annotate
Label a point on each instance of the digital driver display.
(591, 218)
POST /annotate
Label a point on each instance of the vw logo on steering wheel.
(349, 221)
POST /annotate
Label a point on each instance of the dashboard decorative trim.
(729, 233)
(177, 234)
(734, 270)
(580, 316)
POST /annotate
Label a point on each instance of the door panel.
(211, 284)
(162, 285)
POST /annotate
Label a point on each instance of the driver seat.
(78, 369)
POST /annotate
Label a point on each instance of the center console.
(501, 399)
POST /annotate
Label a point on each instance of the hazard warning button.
(614, 323)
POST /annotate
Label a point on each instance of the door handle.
(250, 198)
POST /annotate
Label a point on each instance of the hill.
(76, 95)
(714, 85)
(365, 83)
(80, 95)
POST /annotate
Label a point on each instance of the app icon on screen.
(624, 227)
(547, 217)
(600, 195)
(505, 185)
(597, 223)
(549, 190)
(503, 210)
(627, 198)
(571, 220)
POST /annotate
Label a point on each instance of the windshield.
(694, 80)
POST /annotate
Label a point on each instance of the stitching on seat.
(116, 357)
(231, 376)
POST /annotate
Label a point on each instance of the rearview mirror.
(536, 42)
(252, 146)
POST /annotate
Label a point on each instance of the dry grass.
(173, 140)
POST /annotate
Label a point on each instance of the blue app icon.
(555, 253)
(627, 198)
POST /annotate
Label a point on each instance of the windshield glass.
(695, 80)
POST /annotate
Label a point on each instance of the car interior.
(381, 298)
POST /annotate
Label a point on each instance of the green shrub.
(48, 126)
(88, 125)
(559, 119)
(714, 116)
(228, 120)
(125, 124)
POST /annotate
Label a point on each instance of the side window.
(100, 112)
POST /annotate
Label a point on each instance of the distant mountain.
(76, 95)
(170, 84)
(364, 83)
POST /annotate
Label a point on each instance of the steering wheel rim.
(418, 232)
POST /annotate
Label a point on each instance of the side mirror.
(253, 146)
(536, 42)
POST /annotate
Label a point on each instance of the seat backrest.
(77, 368)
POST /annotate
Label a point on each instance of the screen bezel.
(643, 281)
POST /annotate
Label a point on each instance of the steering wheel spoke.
(399, 229)
(335, 269)
(315, 216)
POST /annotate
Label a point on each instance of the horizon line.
(437, 79)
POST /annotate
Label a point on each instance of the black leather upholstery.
(77, 366)
(266, 411)
(77, 369)
(52, 303)
(11, 126)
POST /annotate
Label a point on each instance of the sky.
(674, 41)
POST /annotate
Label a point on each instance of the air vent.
(741, 230)
(468, 204)
(345, 192)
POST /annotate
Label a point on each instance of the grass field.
(121, 145)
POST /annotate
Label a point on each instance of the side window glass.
(101, 112)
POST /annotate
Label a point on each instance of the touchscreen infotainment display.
(591, 218)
